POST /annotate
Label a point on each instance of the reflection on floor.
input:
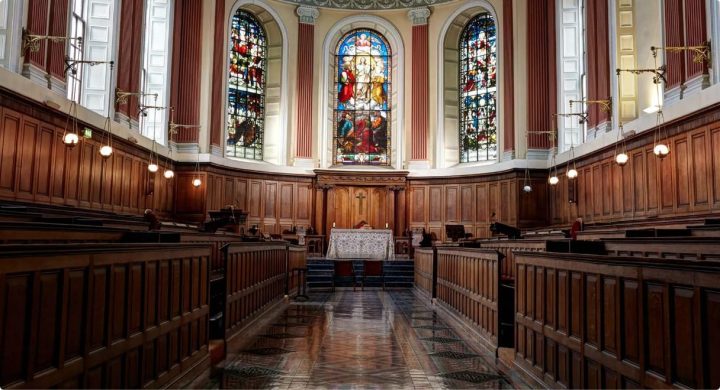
(349, 339)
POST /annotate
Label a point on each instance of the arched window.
(362, 107)
(478, 90)
(246, 87)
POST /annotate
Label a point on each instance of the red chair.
(344, 272)
(372, 269)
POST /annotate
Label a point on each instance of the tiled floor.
(370, 339)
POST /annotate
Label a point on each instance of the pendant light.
(553, 179)
(196, 181)
(152, 163)
(661, 149)
(107, 150)
(621, 157)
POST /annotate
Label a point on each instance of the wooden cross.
(361, 196)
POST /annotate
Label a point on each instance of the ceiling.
(367, 4)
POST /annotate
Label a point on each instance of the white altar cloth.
(361, 244)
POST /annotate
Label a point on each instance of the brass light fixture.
(701, 53)
(31, 42)
(121, 97)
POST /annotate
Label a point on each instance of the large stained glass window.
(246, 87)
(362, 106)
(478, 90)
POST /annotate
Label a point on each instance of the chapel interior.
(359, 194)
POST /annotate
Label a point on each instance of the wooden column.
(185, 87)
(58, 26)
(695, 35)
(220, 62)
(132, 15)
(542, 79)
(305, 55)
(598, 54)
(37, 24)
(674, 36)
(508, 80)
(420, 86)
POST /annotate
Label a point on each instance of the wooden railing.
(255, 275)
(424, 270)
(39, 233)
(216, 241)
(587, 321)
(102, 315)
(467, 281)
(692, 248)
(506, 248)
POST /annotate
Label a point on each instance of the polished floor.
(363, 339)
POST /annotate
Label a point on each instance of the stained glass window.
(362, 107)
(246, 87)
(478, 90)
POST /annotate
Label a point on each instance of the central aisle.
(352, 339)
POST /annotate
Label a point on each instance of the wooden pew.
(424, 271)
(102, 315)
(468, 283)
(255, 275)
(692, 248)
(217, 241)
(585, 321)
(38, 233)
(506, 248)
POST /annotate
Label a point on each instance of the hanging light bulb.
(196, 182)
(527, 188)
(71, 139)
(553, 180)
(661, 150)
(169, 174)
(572, 173)
(621, 159)
(152, 167)
(106, 151)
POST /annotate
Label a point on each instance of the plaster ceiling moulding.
(368, 4)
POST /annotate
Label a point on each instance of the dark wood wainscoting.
(608, 322)
(102, 315)
(35, 165)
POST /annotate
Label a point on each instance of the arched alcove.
(329, 75)
(447, 148)
(276, 89)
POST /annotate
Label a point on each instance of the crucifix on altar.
(360, 197)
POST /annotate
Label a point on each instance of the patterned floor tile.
(345, 340)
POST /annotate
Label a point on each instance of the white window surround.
(325, 109)
(155, 72)
(275, 142)
(10, 33)
(571, 72)
(99, 45)
(446, 154)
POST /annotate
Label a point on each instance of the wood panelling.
(424, 270)
(476, 203)
(467, 282)
(73, 315)
(272, 205)
(255, 277)
(645, 323)
(37, 167)
(687, 182)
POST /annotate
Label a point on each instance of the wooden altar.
(376, 244)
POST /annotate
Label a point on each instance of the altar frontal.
(361, 244)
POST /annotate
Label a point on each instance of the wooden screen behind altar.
(246, 87)
(362, 109)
